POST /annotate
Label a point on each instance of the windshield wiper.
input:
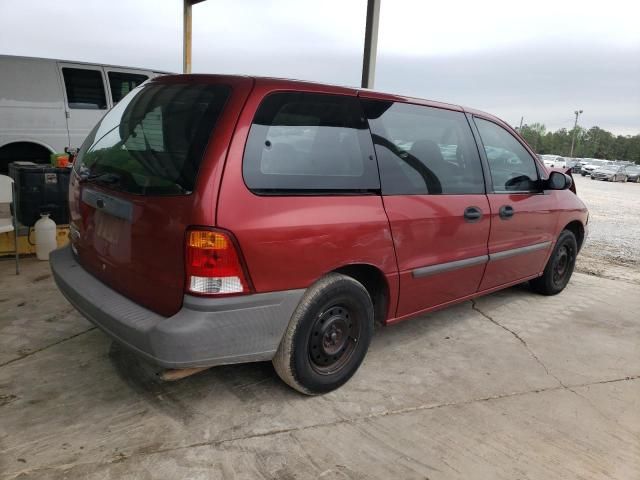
(154, 189)
(109, 178)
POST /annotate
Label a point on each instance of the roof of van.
(288, 83)
(3, 57)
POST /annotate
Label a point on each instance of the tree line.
(592, 143)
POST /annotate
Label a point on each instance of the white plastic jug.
(45, 237)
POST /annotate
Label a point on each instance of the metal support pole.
(370, 43)
(575, 126)
(186, 34)
(186, 37)
(14, 205)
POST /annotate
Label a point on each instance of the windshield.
(152, 142)
(633, 169)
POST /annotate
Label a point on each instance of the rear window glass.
(85, 88)
(122, 83)
(309, 142)
(152, 142)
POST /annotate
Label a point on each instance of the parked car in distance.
(553, 161)
(577, 166)
(591, 165)
(633, 173)
(609, 173)
(47, 106)
(570, 163)
(229, 219)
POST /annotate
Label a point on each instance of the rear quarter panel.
(289, 242)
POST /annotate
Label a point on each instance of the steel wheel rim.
(333, 339)
(562, 263)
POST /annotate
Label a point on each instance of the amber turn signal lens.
(207, 240)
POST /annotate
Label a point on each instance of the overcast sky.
(540, 60)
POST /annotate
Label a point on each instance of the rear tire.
(328, 336)
(559, 268)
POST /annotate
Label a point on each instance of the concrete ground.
(513, 386)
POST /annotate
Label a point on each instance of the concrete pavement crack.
(214, 443)
(541, 363)
(475, 307)
(26, 355)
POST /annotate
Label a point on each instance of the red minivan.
(228, 219)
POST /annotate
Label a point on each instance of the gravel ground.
(613, 247)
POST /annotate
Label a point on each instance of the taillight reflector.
(213, 264)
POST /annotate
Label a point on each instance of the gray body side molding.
(519, 251)
(446, 267)
(470, 262)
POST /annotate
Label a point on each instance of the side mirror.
(559, 181)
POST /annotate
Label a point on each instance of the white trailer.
(48, 105)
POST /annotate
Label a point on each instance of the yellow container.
(24, 247)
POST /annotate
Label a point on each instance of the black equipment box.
(40, 189)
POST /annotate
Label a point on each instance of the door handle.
(506, 212)
(472, 214)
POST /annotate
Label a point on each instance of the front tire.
(328, 336)
(560, 266)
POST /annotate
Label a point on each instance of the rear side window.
(512, 168)
(424, 150)
(153, 141)
(308, 142)
(85, 88)
(122, 83)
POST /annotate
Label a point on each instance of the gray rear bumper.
(205, 332)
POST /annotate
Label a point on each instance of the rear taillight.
(213, 264)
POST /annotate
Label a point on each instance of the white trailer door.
(86, 99)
